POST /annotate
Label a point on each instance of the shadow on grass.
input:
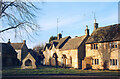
(48, 70)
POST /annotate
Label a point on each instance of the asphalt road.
(61, 77)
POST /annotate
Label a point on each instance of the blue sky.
(73, 18)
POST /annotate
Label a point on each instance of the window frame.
(95, 61)
(113, 62)
(113, 44)
(94, 46)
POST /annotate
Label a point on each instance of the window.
(95, 61)
(113, 45)
(113, 62)
(110, 45)
(92, 61)
(91, 46)
(94, 46)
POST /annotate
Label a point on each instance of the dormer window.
(94, 46)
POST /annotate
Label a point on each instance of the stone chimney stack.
(9, 41)
(24, 41)
(95, 25)
(87, 31)
(59, 36)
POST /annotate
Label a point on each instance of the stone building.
(21, 49)
(73, 52)
(51, 50)
(27, 57)
(103, 48)
(8, 55)
(31, 61)
(66, 52)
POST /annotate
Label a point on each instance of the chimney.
(59, 36)
(87, 31)
(24, 41)
(95, 25)
(9, 41)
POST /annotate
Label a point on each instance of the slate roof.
(6, 48)
(33, 53)
(74, 43)
(57, 43)
(62, 41)
(105, 34)
(17, 46)
(47, 45)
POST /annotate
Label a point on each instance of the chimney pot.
(87, 31)
(95, 25)
(24, 41)
(9, 41)
(59, 36)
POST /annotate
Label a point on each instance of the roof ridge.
(74, 43)
(107, 33)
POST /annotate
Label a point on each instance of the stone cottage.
(73, 52)
(67, 51)
(27, 57)
(51, 50)
(103, 48)
(21, 49)
(8, 55)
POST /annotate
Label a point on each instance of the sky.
(72, 19)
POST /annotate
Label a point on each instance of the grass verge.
(57, 71)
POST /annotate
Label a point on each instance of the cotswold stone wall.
(18, 54)
(71, 58)
(104, 53)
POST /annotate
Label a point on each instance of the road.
(60, 77)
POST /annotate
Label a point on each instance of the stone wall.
(104, 53)
(33, 66)
(18, 54)
(49, 60)
(70, 54)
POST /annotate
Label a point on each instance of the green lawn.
(58, 71)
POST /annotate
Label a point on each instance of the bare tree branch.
(19, 16)
(11, 27)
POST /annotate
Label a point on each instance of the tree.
(104, 51)
(52, 38)
(39, 48)
(18, 15)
